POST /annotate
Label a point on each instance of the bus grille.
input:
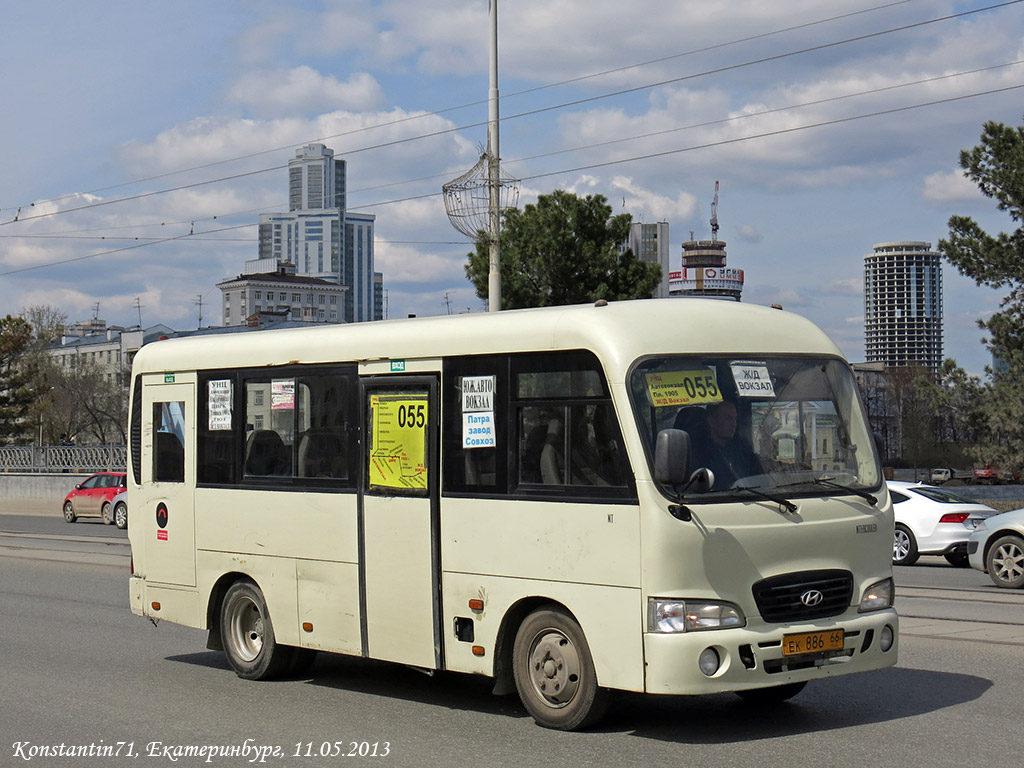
(785, 598)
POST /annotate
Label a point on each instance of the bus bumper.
(136, 597)
(752, 657)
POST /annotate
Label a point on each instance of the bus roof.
(619, 332)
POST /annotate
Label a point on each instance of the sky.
(141, 141)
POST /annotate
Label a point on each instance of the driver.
(724, 452)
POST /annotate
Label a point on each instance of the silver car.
(932, 521)
(119, 510)
(997, 548)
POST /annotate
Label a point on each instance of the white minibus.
(675, 496)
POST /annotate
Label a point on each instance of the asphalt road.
(77, 668)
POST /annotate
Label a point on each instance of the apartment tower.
(903, 305)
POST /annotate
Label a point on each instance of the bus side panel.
(328, 600)
(564, 541)
(176, 605)
(609, 616)
(309, 525)
(275, 577)
(585, 556)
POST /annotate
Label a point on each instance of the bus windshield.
(788, 423)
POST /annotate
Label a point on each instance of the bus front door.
(399, 560)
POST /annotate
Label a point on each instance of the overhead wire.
(665, 153)
(511, 95)
(540, 110)
(156, 241)
(581, 148)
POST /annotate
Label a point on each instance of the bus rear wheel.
(247, 634)
(554, 672)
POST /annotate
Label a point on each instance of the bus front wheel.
(247, 634)
(554, 672)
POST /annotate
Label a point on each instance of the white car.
(932, 521)
(997, 547)
(119, 510)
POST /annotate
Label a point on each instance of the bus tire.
(554, 672)
(247, 634)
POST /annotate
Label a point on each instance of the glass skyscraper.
(319, 236)
(903, 305)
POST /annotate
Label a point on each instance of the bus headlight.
(878, 596)
(691, 615)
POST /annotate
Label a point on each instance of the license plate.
(812, 642)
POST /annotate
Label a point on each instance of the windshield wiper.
(789, 505)
(828, 482)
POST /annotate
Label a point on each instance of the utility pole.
(493, 176)
(138, 306)
(199, 301)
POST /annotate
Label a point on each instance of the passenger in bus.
(723, 451)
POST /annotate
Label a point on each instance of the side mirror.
(78, 486)
(672, 457)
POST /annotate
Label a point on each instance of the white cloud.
(951, 187)
(303, 90)
(851, 286)
(750, 234)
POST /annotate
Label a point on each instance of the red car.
(91, 497)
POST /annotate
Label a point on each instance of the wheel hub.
(555, 668)
(1009, 563)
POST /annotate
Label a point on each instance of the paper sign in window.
(752, 380)
(399, 431)
(478, 430)
(282, 394)
(219, 404)
(675, 388)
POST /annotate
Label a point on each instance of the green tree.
(955, 399)
(563, 249)
(996, 165)
(15, 392)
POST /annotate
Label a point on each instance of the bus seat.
(265, 453)
(170, 458)
(322, 453)
(552, 459)
(529, 469)
(693, 419)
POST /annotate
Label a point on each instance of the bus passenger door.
(399, 560)
(165, 505)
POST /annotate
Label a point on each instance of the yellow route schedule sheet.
(398, 456)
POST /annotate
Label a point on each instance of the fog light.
(887, 638)
(709, 661)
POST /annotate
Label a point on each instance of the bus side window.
(475, 400)
(327, 436)
(568, 434)
(168, 446)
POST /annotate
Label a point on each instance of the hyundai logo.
(811, 598)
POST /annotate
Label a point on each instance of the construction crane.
(714, 215)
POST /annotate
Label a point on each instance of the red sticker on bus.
(161, 535)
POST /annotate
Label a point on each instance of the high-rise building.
(650, 243)
(903, 305)
(318, 235)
